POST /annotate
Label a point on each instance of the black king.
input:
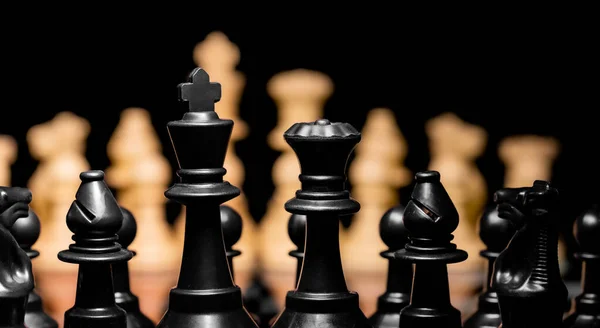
(321, 298)
(205, 295)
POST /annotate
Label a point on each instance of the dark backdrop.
(532, 79)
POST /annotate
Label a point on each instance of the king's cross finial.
(200, 94)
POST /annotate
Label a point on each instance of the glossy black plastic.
(430, 217)
(16, 275)
(531, 292)
(124, 298)
(587, 305)
(95, 218)
(400, 273)
(321, 298)
(205, 295)
(495, 233)
(297, 233)
(26, 232)
(231, 223)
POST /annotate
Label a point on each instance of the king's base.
(113, 317)
(335, 310)
(229, 319)
(423, 317)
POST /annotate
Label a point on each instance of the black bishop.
(205, 295)
(95, 218)
(321, 298)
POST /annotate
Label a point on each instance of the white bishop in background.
(59, 146)
(376, 174)
(300, 96)
(140, 174)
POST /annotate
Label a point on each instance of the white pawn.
(140, 174)
(59, 145)
(8, 156)
(376, 174)
(527, 158)
(219, 57)
(300, 96)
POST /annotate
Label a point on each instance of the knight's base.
(338, 310)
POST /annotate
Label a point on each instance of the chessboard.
(352, 232)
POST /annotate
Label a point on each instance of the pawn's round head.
(587, 231)
(494, 231)
(26, 231)
(392, 230)
(297, 229)
(231, 223)
(128, 228)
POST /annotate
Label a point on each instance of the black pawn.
(205, 295)
(26, 232)
(16, 275)
(231, 223)
(531, 292)
(124, 298)
(400, 273)
(495, 234)
(94, 218)
(321, 298)
(587, 305)
(297, 233)
(430, 217)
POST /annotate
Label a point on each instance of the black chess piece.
(321, 298)
(231, 223)
(531, 292)
(586, 313)
(26, 232)
(400, 273)
(259, 301)
(16, 275)
(297, 233)
(495, 234)
(205, 295)
(430, 217)
(124, 298)
(94, 218)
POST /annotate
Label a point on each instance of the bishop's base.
(335, 310)
(422, 317)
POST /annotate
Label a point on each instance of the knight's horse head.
(14, 204)
(519, 205)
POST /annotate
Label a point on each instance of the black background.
(539, 77)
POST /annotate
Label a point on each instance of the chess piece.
(454, 146)
(124, 298)
(94, 218)
(26, 232)
(376, 174)
(531, 292)
(527, 158)
(205, 295)
(16, 276)
(8, 156)
(59, 145)
(495, 234)
(321, 298)
(400, 273)
(300, 96)
(297, 233)
(231, 223)
(218, 56)
(140, 173)
(258, 301)
(586, 312)
(430, 217)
